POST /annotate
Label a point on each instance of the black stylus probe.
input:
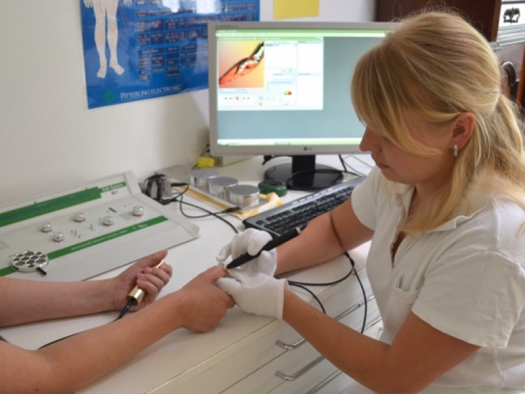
(135, 296)
(281, 239)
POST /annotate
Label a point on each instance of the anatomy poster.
(141, 49)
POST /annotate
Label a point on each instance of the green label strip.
(6, 271)
(55, 204)
(95, 241)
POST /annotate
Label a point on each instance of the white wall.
(50, 141)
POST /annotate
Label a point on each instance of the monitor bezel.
(292, 150)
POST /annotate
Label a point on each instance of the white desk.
(241, 354)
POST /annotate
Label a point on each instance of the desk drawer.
(302, 367)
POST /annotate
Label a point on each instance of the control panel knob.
(45, 227)
(138, 210)
(58, 236)
(107, 221)
(79, 217)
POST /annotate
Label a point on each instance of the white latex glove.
(254, 292)
(250, 241)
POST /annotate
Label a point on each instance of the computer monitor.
(283, 88)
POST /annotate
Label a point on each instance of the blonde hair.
(437, 65)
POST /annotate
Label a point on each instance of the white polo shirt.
(466, 278)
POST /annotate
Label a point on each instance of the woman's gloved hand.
(254, 292)
(252, 285)
(250, 241)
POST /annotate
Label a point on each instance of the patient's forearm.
(24, 301)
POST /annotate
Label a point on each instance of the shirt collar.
(475, 202)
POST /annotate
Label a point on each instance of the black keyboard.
(299, 212)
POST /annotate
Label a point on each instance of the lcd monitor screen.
(283, 88)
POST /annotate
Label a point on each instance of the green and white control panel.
(83, 232)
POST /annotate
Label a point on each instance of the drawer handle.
(324, 382)
(300, 372)
(373, 323)
(292, 346)
(288, 346)
(316, 361)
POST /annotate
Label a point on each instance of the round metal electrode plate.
(29, 261)
(244, 196)
(199, 177)
(219, 186)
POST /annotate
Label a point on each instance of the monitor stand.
(304, 174)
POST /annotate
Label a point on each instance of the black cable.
(357, 173)
(120, 316)
(352, 263)
(205, 215)
(365, 303)
(335, 281)
(210, 214)
(345, 169)
(296, 284)
(179, 198)
(126, 308)
(223, 212)
(352, 271)
(363, 291)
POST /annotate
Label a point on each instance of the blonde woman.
(444, 209)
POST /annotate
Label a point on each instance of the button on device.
(107, 221)
(79, 217)
(58, 236)
(138, 210)
(46, 227)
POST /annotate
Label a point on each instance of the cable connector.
(135, 296)
(230, 210)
